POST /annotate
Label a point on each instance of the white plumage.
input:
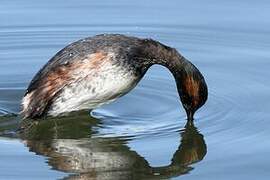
(97, 88)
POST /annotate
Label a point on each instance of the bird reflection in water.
(71, 146)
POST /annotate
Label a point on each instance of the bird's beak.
(190, 115)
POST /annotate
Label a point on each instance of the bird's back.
(81, 63)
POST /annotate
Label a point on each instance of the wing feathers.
(38, 99)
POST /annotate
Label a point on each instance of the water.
(144, 134)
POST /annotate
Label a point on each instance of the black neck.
(154, 52)
(190, 82)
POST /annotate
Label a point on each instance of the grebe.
(97, 70)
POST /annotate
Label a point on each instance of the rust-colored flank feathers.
(36, 102)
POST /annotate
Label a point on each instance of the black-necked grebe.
(97, 70)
